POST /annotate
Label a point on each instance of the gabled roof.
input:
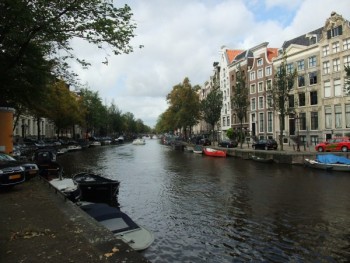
(272, 53)
(303, 40)
(245, 54)
(232, 54)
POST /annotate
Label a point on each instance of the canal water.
(207, 209)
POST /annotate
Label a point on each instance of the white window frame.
(252, 75)
(338, 91)
(268, 71)
(327, 89)
(336, 47)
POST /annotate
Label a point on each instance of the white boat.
(67, 187)
(198, 149)
(95, 143)
(123, 227)
(71, 148)
(329, 162)
(139, 141)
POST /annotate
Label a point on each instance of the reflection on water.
(225, 210)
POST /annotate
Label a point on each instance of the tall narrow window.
(252, 75)
(301, 99)
(301, 81)
(313, 97)
(261, 122)
(260, 73)
(336, 64)
(291, 101)
(347, 115)
(325, 50)
(346, 44)
(253, 106)
(302, 119)
(269, 121)
(337, 87)
(337, 112)
(314, 120)
(335, 47)
(268, 84)
(261, 102)
(268, 71)
(327, 89)
(326, 67)
(328, 117)
(252, 89)
(300, 65)
(260, 87)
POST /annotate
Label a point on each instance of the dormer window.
(337, 31)
(260, 62)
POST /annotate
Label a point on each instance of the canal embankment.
(37, 224)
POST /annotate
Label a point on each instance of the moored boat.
(97, 189)
(261, 159)
(139, 141)
(122, 226)
(329, 162)
(213, 152)
(67, 187)
(198, 149)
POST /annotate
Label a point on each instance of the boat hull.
(213, 152)
(327, 166)
(97, 189)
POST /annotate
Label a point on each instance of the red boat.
(213, 152)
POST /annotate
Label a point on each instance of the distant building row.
(322, 107)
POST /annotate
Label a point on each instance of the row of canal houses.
(322, 107)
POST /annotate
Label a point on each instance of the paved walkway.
(38, 225)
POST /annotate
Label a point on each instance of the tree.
(35, 38)
(279, 92)
(184, 105)
(240, 101)
(211, 107)
(347, 79)
(63, 107)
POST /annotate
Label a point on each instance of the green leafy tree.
(35, 39)
(347, 79)
(63, 107)
(283, 83)
(184, 105)
(94, 111)
(240, 101)
(211, 107)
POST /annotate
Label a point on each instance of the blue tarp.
(331, 158)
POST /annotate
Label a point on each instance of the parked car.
(228, 144)
(11, 174)
(30, 169)
(265, 144)
(334, 145)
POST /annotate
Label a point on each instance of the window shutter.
(340, 30)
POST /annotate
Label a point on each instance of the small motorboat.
(139, 141)
(261, 159)
(198, 149)
(97, 189)
(213, 152)
(122, 226)
(67, 187)
(329, 162)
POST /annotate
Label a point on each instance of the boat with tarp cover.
(329, 162)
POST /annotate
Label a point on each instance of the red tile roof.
(272, 53)
(231, 54)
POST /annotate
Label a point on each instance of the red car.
(334, 145)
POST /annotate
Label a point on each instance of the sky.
(183, 38)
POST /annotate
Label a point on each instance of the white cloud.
(182, 39)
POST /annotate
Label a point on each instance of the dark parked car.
(228, 144)
(269, 144)
(30, 169)
(11, 174)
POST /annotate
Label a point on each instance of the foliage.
(347, 79)
(240, 101)
(63, 107)
(230, 134)
(35, 40)
(211, 107)
(283, 83)
(183, 111)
